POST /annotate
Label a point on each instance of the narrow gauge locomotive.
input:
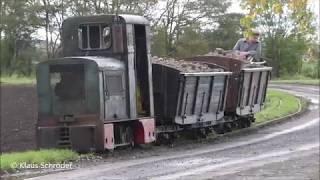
(100, 94)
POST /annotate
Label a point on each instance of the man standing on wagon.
(249, 47)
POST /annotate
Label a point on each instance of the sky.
(235, 7)
(314, 5)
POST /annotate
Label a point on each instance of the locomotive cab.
(99, 94)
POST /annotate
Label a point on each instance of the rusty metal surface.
(253, 87)
(108, 136)
(103, 63)
(235, 84)
(228, 64)
(186, 100)
(80, 137)
(144, 131)
(110, 77)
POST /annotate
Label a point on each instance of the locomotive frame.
(113, 49)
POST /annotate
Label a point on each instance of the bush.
(310, 70)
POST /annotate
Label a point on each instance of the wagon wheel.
(219, 129)
(248, 122)
(228, 127)
(245, 122)
(236, 125)
(202, 133)
(165, 138)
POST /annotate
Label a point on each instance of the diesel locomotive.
(105, 92)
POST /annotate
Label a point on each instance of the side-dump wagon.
(190, 99)
(246, 86)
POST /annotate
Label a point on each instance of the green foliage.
(285, 54)
(16, 79)
(288, 31)
(191, 43)
(19, 59)
(310, 69)
(278, 104)
(289, 16)
(180, 14)
(36, 157)
(296, 80)
(158, 46)
(84, 8)
(19, 21)
(228, 32)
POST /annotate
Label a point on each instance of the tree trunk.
(47, 27)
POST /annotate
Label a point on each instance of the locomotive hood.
(102, 63)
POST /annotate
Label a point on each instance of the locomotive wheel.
(157, 142)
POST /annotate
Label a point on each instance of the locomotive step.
(64, 143)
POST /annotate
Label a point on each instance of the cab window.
(67, 81)
(114, 85)
(94, 36)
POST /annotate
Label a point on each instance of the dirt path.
(18, 117)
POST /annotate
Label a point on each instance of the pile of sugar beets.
(184, 66)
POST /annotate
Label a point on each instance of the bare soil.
(18, 115)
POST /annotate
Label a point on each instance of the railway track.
(287, 150)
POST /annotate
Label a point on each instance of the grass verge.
(278, 104)
(10, 161)
(299, 81)
(14, 79)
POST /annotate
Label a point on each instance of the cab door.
(114, 96)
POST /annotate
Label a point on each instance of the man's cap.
(255, 32)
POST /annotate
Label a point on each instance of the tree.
(52, 14)
(179, 14)
(158, 44)
(191, 43)
(227, 33)
(85, 7)
(18, 23)
(283, 22)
